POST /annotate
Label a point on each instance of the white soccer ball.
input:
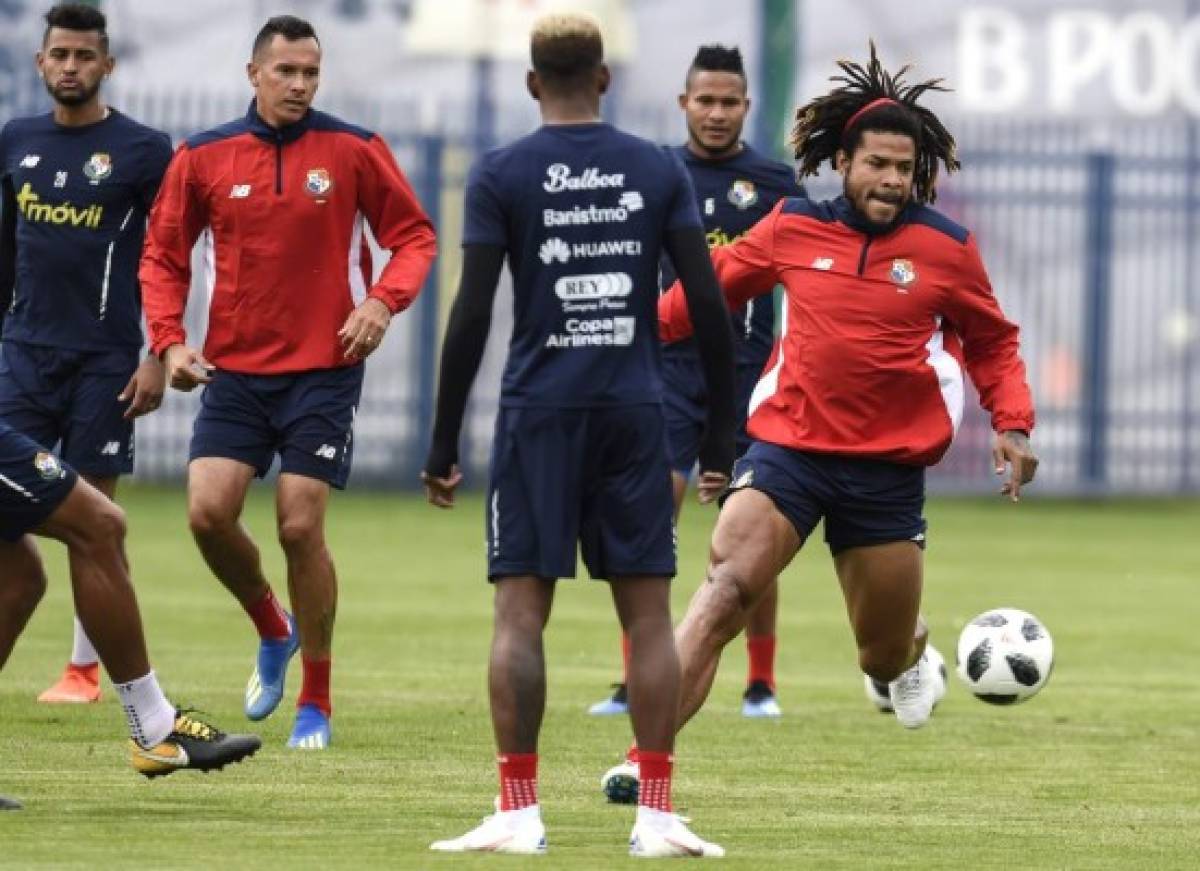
(1005, 656)
(877, 693)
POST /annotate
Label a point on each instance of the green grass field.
(1099, 771)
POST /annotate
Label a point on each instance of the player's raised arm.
(462, 351)
(744, 270)
(688, 251)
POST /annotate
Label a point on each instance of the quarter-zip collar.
(280, 135)
(845, 212)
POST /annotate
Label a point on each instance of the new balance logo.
(239, 192)
(632, 200)
(110, 449)
(825, 263)
(327, 452)
(29, 161)
(554, 249)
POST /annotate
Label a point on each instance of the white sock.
(658, 820)
(82, 651)
(151, 717)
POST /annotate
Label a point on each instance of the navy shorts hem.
(97, 470)
(659, 571)
(845, 544)
(205, 452)
(512, 570)
(24, 521)
(316, 469)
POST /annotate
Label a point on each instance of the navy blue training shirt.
(581, 211)
(80, 196)
(734, 193)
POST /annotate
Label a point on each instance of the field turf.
(1101, 770)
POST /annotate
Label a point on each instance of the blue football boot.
(265, 687)
(311, 731)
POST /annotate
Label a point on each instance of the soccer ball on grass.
(1005, 656)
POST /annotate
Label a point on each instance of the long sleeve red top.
(282, 212)
(876, 330)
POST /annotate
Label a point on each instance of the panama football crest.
(98, 167)
(903, 272)
(48, 466)
(318, 183)
(743, 194)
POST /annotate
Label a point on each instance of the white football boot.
(663, 835)
(914, 693)
(520, 831)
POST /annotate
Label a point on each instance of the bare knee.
(103, 528)
(727, 600)
(209, 519)
(27, 581)
(299, 534)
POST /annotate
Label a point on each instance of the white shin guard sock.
(82, 651)
(151, 717)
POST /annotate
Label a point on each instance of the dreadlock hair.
(716, 59)
(874, 99)
(79, 17)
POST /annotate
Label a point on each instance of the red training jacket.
(282, 212)
(875, 331)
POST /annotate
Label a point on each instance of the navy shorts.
(862, 501)
(598, 477)
(685, 401)
(68, 399)
(33, 483)
(307, 418)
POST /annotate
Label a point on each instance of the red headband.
(874, 104)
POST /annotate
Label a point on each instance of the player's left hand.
(710, 485)
(145, 389)
(363, 331)
(1012, 447)
(440, 491)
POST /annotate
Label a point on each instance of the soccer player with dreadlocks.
(886, 301)
(736, 186)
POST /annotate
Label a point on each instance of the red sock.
(624, 658)
(654, 779)
(315, 690)
(269, 617)
(631, 755)
(518, 780)
(762, 659)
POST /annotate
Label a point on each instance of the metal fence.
(1091, 243)
(1090, 236)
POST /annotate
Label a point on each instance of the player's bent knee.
(109, 522)
(299, 534)
(727, 603)
(207, 519)
(28, 583)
